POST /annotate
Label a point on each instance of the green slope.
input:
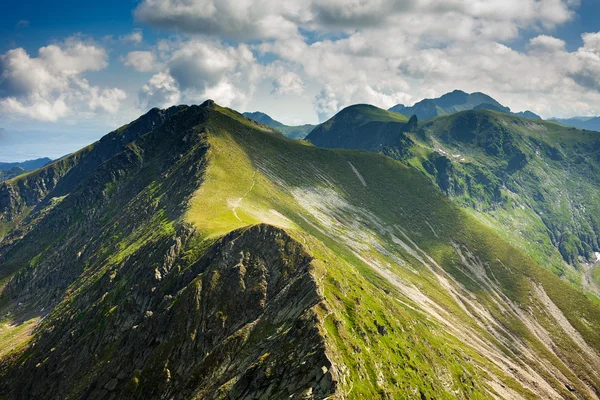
(215, 258)
(534, 182)
(365, 127)
(536, 178)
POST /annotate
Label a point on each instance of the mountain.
(10, 170)
(195, 253)
(293, 132)
(28, 165)
(528, 114)
(365, 127)
(589, 123)
(10, 173)
(535, 182)
(453, 102)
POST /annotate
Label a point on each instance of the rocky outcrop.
(60, 178)
(237, 322)
(136, 305)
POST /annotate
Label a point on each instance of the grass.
(348, 227)
(15, 336)
(402, 312)
(377, 114)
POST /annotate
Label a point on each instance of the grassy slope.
(403, 325)
(354, 231)
(378, 114)
(549, 198)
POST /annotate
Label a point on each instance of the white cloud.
(106, 99)
(199, 69)
(50, 86)
(545, 43)
(591, 42)
(288, 82)
(161, 91)
(237, 19)
(331, 53)
(378, 51)
(269, 19)
(134, 37)
(141, 61)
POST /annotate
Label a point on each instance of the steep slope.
(453, 102)
(214, 258)
(535, 182)
(535, 178)
(11, 173)
(293, 132)
(24, 193)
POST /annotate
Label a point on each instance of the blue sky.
(72, 71)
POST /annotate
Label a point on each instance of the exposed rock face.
(237, 322)
(64, 175)
(139, 306)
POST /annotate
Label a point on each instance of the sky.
(72, 71)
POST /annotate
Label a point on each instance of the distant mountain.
(453, 102)
(28, 165)
(293, 132)
(10, 173)
(589, 123)
(11, 170)
(528, 114)
(365, 127)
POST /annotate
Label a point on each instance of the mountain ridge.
(9, 170)
(171, 271)
(453, 102)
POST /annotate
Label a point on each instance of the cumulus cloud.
(142, 61)
(161, 91)
(377, 51)
(288, 82)
(134, 37)
(268, 19)
(546, 43)
(229, 18)
(50, 86)
(198, 69)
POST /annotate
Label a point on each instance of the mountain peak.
(208, 103)
(453, 102)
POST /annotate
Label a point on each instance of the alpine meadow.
(267, 218)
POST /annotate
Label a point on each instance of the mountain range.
(198, 253)
(11, 170)
(454, 102)
(294, 132)
(589, 123)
